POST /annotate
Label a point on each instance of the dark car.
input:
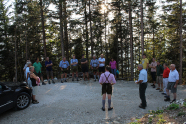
(17, 97)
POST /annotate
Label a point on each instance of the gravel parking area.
(80, 103)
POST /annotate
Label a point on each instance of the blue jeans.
(113, 71)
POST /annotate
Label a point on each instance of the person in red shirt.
(165, 78)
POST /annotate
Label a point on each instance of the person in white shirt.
(101, 64)
(27, 74)
(142, 81)
(173, 81)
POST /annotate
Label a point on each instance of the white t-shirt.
(101, 60)
(27, 71)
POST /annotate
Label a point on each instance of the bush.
(181, 113)
(173, 106)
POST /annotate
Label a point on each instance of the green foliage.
(161, 121)
(150, 120)
(181, 113)
(173, 106)
(156, 112)
(184, 104)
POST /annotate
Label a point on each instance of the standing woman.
(33, 78)
(113, 65)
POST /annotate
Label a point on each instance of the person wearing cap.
(84, 67)
(173, 81)
(101, 64)
(107, 80)
(74, 65)
(142, 81)
(64, 65)
(48, 64)
(37, 67)
(94, 66)
(27, 73)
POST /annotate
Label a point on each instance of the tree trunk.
(43, 28)
(15, 54)
(90, 19)
(142, 35)
(66, 31)
(131, 42)
(181, 43)
(61, 29)
(85, 12)
(153, 42)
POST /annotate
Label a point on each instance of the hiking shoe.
(158, 89)
(141, 106)
(61, 81)
(94, 79)
(163, 93)
(109, 109)
(174, 100)
(65, 80)
(152, 85)
(35, 102)
(77, 80)
(49, 81)
(72, 79)
(103, 109)
(161, 90)
(43, 83)
(53, 82)
(167, 99)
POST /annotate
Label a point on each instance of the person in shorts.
(153, 72)
(94, 66)
(159, 73)
(74, 67)
(48, 64)
(101, 64)
(33, 79)
(37, 67)
(173, 81)
(64, 65)
(84, 67)
(107, 80)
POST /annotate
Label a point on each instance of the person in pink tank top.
(113, 65)
(107, 80)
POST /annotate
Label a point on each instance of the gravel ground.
(80, 103)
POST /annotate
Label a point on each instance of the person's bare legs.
(72, 75)
(77, 75)
(34, 97)
(174, 95)
(62, 77)
(87, 75)
(162, 86)
(167, 92)
(84, 76)
(109, 101)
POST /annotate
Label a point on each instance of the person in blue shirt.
(94, 66)
(48, 64)
(74, 65)
(142, 81)
(64, 65)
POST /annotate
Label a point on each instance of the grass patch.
(173, 106)
(181, 113)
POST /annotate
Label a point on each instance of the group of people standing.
(167, 79)
(97, 66)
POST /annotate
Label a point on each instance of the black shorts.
(153, 74)
(39, 74)
(95, 69)
(106, 88)
(64, 71)
(102, 69)
(170, 86)
(84, 69)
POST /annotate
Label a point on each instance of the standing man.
(101, 64)
(48, 64)
(64, 65)
(37, 67)
(165, 78)
(145, 62)
(84, 67)
(27, 73)
(153, 72)
(173, 81)
(24, 69)
(159, 70)
(74, 65)
(142, 81)
(94, 65)
(107, 80)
